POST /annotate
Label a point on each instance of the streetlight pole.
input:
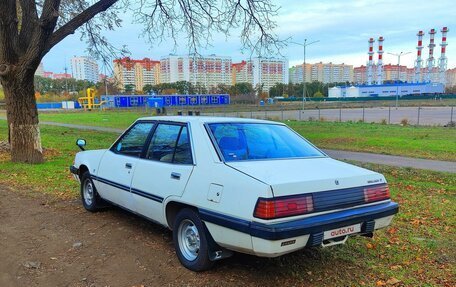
(398, 73)
(304, 45)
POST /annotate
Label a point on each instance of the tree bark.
(22, 116)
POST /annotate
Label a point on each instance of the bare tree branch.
(71, 26)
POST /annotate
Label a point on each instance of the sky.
(341, 27)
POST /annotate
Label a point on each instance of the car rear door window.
(132, 142)
(170, 143)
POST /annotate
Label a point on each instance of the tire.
(190, 241)
(89, 195)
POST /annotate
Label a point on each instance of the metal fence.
(387, 115)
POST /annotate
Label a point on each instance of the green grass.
(114, 119)
(422, 142)
(417, 249)
(53, 176)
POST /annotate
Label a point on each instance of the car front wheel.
(90, 198)
(190, 241)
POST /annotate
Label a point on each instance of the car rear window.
(258, 141)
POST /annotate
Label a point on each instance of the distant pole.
(418, 121)
(304, 45)
(389, 114)
(451, 117)
(398, 74)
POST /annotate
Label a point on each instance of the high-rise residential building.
(124, 72)
(84, 68)
(322, 72)
(269, 71)
(147, 72)
(208, 71)
(264, 71)
(136, 73)
(242, 72)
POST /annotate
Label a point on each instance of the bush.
(404, 122)
(383, 122)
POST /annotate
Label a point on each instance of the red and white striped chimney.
(443, 61)
(419, 61)
(370, 63)
(430, 61)
(380, 61)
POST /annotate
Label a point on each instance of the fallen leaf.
(392, 281)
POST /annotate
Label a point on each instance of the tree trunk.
(22, 118)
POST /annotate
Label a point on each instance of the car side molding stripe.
(309, 225)
(126, 188)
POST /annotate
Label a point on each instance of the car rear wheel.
(90, 198)
(190, 241)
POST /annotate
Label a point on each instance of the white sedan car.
(229, 184)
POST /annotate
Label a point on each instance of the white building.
(385, 90)
(84, 68)
(209, 71)
(268, 72)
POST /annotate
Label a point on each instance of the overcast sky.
(342, 27)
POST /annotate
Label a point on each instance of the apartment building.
(84, 68)
(261, 71)
(322, 72)
(208, 71)
(137, 73)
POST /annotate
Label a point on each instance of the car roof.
(204, 119)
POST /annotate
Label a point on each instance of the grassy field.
(417, 250)
(52, 176)
(422, 142)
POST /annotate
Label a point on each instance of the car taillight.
(269, 208)
(376, 193)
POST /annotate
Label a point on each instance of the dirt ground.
(55, 242)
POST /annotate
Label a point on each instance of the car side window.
(132, 142)
(170, 143)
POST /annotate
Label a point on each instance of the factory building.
(385, 90)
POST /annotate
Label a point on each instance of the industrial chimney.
(380, 61)
(443, 59)
(430, 61)
(419, 61)
(370, 63)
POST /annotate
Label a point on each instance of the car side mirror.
(81, 143)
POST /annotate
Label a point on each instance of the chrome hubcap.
(189, 240)
(88, 192)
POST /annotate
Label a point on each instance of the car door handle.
(128, 165)
(175, 175)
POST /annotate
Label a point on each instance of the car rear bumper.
(320, 223)
(279, 238)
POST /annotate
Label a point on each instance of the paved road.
(414, 115)
(400, 161)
